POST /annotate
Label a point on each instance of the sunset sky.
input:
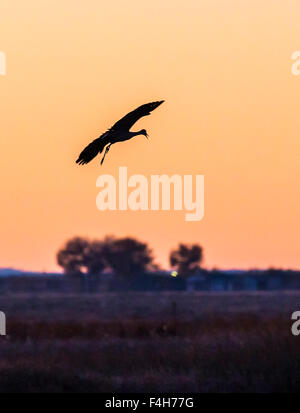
(232, 113)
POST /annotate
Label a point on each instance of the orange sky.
(231, 113)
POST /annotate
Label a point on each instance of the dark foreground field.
(142, 342)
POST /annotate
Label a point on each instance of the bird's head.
(144, 132)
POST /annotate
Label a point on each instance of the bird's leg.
(106, 152)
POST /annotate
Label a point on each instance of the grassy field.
(150, 342)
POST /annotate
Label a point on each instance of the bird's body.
(120, 132)
(125, 136)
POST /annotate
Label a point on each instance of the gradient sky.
(231, 113)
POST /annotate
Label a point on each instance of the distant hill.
(233, 272)
(12, 272)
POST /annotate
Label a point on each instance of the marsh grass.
(233, 343)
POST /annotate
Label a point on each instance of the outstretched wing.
(93, 149)
(131, 118)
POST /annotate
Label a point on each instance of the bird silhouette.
(120, 132)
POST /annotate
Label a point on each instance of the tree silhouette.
(186, 258)
(81, 257)
(127, 257)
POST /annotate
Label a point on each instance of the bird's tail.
(92, 150)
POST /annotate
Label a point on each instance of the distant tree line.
(125, 257)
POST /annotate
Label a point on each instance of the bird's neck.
(135, 133)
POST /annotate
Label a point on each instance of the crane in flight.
(120, 132)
